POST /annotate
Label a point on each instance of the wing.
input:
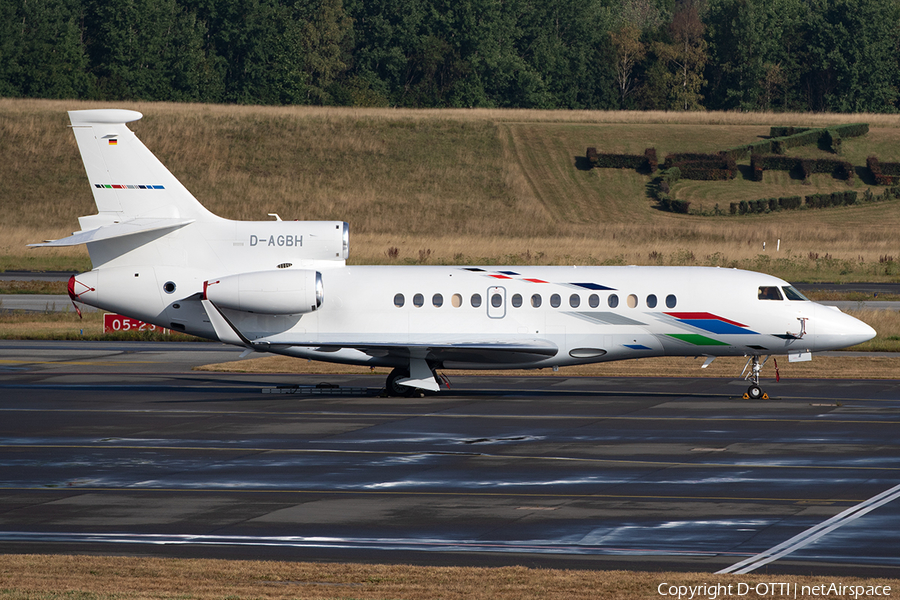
(495, 352)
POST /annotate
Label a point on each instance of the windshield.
(793, 294)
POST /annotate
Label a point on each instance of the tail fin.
(128, 181)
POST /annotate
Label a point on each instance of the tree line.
(782, 55)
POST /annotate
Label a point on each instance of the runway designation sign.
(113, 322)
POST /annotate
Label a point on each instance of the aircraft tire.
(755, 392)
(395, 389)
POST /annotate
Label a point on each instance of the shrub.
(622, 161)
(833, 199)
(652, 162)
(680, 206)
(703, 167)
(664, 186)
(790, 202)
(840, 169)
(775, 132)
(832, 139)
(672, 175)
(851, 130)
(884, 173)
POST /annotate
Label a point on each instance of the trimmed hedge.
(840, 169)
(847, 198)
(806, 138)
(766, 205)
(884, 173)
(623, 161)
(652, 161)
(832, 199)
(783, 138)
(703, 167)
(675, 206)
(852, 130)
(776, 132)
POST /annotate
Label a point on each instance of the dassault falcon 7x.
(284, 287)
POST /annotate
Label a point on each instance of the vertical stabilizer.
(127, 180)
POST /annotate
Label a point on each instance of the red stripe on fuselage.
(693, 316)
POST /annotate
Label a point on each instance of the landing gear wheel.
(395, 389)
(754, 392)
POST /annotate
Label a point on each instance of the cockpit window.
(793, 294)
(769, 293)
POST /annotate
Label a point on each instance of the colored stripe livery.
(711, 323)
(123, 186)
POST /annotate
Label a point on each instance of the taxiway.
(120, 447)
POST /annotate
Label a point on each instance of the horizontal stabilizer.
(116, 230)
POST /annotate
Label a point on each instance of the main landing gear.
(754, 392)
(392, 386)
(418, 378)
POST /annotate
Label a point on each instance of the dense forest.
(780, 55)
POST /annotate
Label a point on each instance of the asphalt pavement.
(122, 448)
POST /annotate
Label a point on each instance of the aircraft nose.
(863, 332)
(840, 330)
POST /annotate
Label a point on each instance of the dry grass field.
(109, 578)
(460, 186)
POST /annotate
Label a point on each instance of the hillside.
(461, 186)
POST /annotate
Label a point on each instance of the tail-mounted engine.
(286, 292)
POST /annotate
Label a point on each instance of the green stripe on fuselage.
(696, 339)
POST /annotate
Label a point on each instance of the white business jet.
(284, 287)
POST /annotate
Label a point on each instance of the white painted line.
(813, 533)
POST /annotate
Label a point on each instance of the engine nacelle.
(288, 292)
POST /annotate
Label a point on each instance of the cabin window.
(517, 300)
(631, 301)
(651, 301)
(769, 292)
(536, 300)
(793, 294)
(496, 300)
(613, 301)
(574, 300)
(555, 300)
(437, 300)
(419, 300)
(671, 301)
(399, 300)
(594, 300)
(476, 300)
(456, 300)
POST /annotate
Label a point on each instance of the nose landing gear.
(754, 392)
